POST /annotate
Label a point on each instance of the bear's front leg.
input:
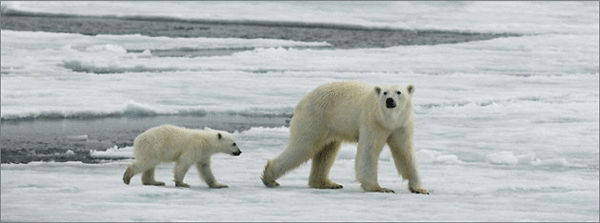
(366, 162)
(207, 175)
(402, 148)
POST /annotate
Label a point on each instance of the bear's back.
(336, 107)
(167, 141)
(332, 95)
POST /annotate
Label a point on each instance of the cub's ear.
(219, 135)
(377, 90)
(411, 89)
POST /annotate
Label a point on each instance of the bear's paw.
(182, 184)
(384, 190)
(154, 183)
(328, 185)
(271, 183)
(419, 191)
(218, 186)
(377, 189)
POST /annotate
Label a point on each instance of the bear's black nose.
(390, 103)
(237, 153)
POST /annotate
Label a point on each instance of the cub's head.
(394, 97)
(225, 143)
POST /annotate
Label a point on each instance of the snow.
(114, 152)
(49, 82)
(515, 188)
(459, 192)
(506, 129)
(524, 17)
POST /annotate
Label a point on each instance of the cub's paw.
(127, 176)
(335, 186)
(155, 183)
(384, 190)
(182, 184)
(378, 189)
(126, 180)
(419, 190)
(218, 185)
(329, 185)
(271, 183)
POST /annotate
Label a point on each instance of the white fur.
(185, 147)
(350, 111)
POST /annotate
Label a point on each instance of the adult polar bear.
(350, 111)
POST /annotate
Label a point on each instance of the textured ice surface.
(507, 129)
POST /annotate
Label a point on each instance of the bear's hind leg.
(148, 178)
(128, 175)
(321, 164)
(296, 153)
(268, 178)
(179, 171)
(136, 167)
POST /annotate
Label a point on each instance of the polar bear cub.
(350, 111)
(185, 147)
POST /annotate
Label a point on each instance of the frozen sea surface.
(530, 189)
(507, 128)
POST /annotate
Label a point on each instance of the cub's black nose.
(390, 103)
(237, 153)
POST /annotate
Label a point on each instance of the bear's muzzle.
(390, 103)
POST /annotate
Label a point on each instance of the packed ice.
(506, 129)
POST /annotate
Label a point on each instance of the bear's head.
(226, 144)
(394, 100)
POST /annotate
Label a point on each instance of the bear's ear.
(411, 89)
(377, 90)
(219, 135)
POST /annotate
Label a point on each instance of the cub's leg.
(207, 175)
(402, 148)
(148, 178)
(137, 167)
(128, 174)
(321, 164)
(181, 168)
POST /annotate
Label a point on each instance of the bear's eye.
(234, 144)
(385, 93)
(398, 92)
